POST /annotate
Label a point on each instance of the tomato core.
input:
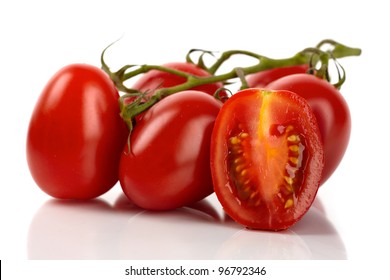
(281, 156)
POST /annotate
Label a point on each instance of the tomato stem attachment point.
(241, 76)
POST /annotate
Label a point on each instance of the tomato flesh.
(266, 158)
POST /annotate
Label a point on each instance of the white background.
(349, 219)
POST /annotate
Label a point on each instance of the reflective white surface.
(119, 230)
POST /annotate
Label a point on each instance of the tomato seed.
(289, 203)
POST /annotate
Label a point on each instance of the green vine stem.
(310, 56)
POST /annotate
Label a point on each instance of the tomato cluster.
(264, 152)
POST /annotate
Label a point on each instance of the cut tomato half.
(266, 158)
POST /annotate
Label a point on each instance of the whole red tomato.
(167, 164)
(331, 111)
(266, 158)
(263, 78)
(156, 79)
(76, 135)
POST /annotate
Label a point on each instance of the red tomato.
(266, 158)
(168, 164)
(76, 135)
(155, 79)
(331, 111)
(263, 78)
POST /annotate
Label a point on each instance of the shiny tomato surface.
(331, 111)
(263, 78)
(76, 136)
(167, 162)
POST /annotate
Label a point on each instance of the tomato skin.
(263, 78)
(168, 163)
(263, 144)
(155, 79)
(332, 113)
(75, 136)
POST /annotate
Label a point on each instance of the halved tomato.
(266, 158)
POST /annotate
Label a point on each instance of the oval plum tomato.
(266, 158)
(155, 79)
(331, 111)
(76, 136)
(263, 78)
(167, 164)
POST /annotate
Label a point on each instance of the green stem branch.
(146, 68)
(309, 56)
